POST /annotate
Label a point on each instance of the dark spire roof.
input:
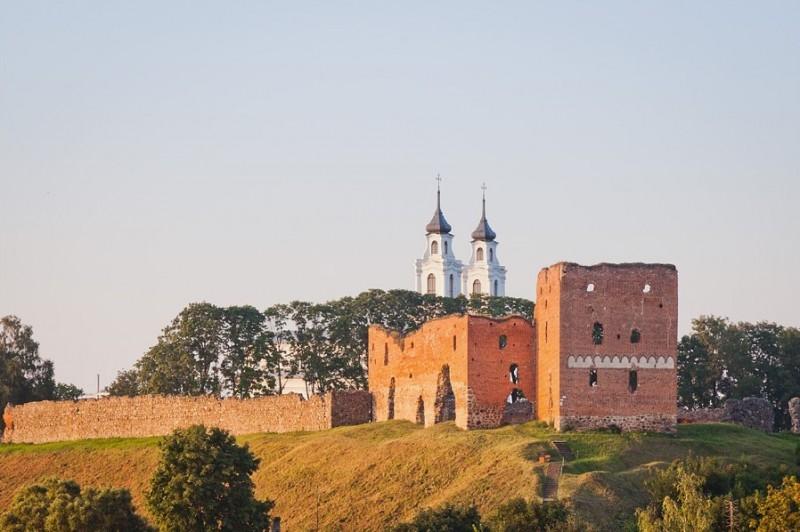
(438, 224)
(483, 231)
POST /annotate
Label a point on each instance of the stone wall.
(794, 414)
(152, 415)
(752, 412)
(701, 415)
(646, 423)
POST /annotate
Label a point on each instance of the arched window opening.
(597, 333)
(491, 255)
(592, 378)
(444, 405)
(479, 254)
(431, 284)
(390, 400)
(495, 288)
(445, 247)
(513, 374)
(476, 288)
(590, 287)
(633, 380)
(385, 354)
(516, 395)
(503, 341)
(646, 289)
(636, 336)
(451, 291)
(434, 248)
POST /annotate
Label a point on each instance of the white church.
(440, 273)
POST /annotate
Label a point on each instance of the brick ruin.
(601, 351)
(153, 415)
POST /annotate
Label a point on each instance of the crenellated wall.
(154, 415)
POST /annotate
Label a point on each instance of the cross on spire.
(438, 181)
(483, 188)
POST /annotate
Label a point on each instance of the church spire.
(438, 224)
(483, 231)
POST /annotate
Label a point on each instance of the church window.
(491, 255)
(633, 380)
(503, 341)
(495, 287)
(479, 254)
(597, 333)
(636, 336)
(445, 248)
(434, 248)
(476, 288)
(431, 283)
(593, 377)
(513, 374)
(451, 289)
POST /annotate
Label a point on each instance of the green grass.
(369, 476)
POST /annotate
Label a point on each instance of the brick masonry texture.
(622, 298)
(479, 369)
(153, 415)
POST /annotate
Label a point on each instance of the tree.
(24, 375)
(447, 518)
(61, 506)
(780, 508)
(203, 483)
(517, 515)
(66, 392)
(690, 510)
(244, 338)
(125, 384)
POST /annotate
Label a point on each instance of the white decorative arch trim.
(621, 361)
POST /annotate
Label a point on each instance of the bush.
(60, 506)
(447, 518)
(203, 483)
(780, 509)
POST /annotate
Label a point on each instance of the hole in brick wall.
(503, 341)
(420, 411)
(513, 373)
(619, 336)
(590, 287)
(633, 380)
(515, 396)
(636, 336)
(454, 342)
(412, 345)
(597, 333)
(592, 377)
(646, 289)
(661, 305)
(385, 354)
(390, 401)
(545, 332)
(444, 406)
(410, 376)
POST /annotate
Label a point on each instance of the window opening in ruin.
(633, 380)
(646, 289)
(513, 374)
(385, 354)
(479, 254)
(619, 336)
(597, 333)
(636, 336)
(476, 288)
(516, 395)
(503, 341)
(444, 405)
(590, 287)
(434, 248)
(412, 345)
(420, 411)
(454, 342)
(390, 401)
(592, 377)
(431, 283)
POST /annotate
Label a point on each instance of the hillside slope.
(369, 476)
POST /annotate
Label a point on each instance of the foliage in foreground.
(203, 483)
(61, 506)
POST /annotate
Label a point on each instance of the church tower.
(438, 271)
(484, 274)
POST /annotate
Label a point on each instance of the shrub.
(203, 483)
(447, 518)
(517, 515)
(60, 506)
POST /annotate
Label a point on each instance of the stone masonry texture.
(794, 413)
(152, 415)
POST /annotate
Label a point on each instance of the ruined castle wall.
(414, 362)
(548, 343)
(490, 379)
(152, 415)
(623, 298)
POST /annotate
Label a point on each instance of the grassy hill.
(369, 476)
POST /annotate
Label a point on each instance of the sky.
(154, 154)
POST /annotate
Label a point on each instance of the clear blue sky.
(158, 153)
